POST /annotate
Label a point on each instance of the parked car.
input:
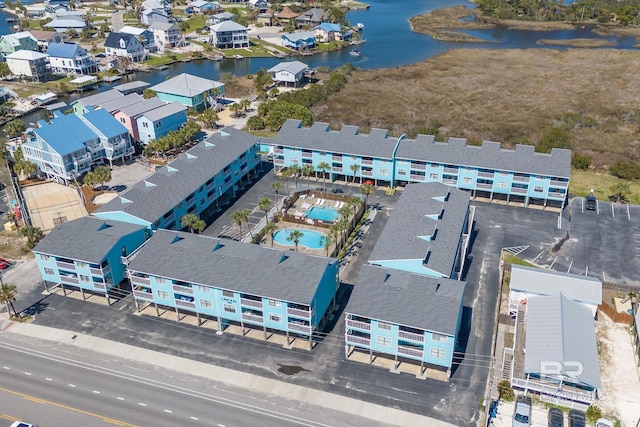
(22, 424)
(4, 264)
(522, 412)
(591, 203)
(577, 418)
(603, 422)
(555, 418)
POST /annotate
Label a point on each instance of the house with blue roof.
(158, 122)
(406, 317)
(299, 40)
(328, 32)
(87, 254)
(69, 145)
(70, 58)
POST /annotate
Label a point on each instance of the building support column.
(220, 326)
(370, 356)
(135, 301)
(264, 328)
(46, 285)
(106, 294)
(311, 342)
(198, 317)
(508, 198)
(526, 202)
(64, 290)
(242, 327)
(177, 314)
(82, 292)
(491, 196)
(157, 311)
(288, 342)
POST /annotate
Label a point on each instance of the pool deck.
(288, 225)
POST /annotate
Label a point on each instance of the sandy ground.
(51, 202)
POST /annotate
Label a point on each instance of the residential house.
(158, 122)
(513, 176)
(299, 40)
(327, 32)
(44, 38)
(555, 353)
(289, 73)
(117, 104)
(311, 18)
(11, 43)
(155, 11)
(530, 281)
(428, 232)
(220, 17)
(136, 86)
(70, 58)
(406, 316)
(267, 18)
(229, 35)
(123, 44)
(260, 5)
(29, 64)
(191, 91)
(81, 105)
(202, 7)
(67, 23)
(166, 35)
(128, 115)
(197, 181)
(144, 35)
(69, 145)
(286, 15)
(6, 94)
(235, 283)
(86, 254)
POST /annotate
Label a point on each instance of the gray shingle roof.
(347, 140)
(141, 107)
(149, 203)
(488, 156)
(400, 238)
(186, 85)
(227, 264)
(561, 330)
(407, 299)
(293, 67)
(125, 87)
(85, 239)
(121, 102)
(164, 111)
(99, 98)
(537, 281)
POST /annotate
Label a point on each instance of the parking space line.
(628, 213)
(613, 212)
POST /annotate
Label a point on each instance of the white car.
(603, 422)
(22, 424)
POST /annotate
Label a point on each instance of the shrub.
(581, 161)
(505, 391)
(625, 170)
(555, 137)
(593, 414)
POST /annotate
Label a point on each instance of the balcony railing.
(250, 303)
(186, 304)
(336, 158)
(519, 190)
(450, 181)
(135, 280)
(358, 340)
(336, 169)
(252, 318)
(557, 196)
(278, 161)
(68, 279)
(450, 170)
(410, 336)
(557, 183)
(82, 159)
(307, 155)
(417, 177)
(143, 295)
(124, 260)
(366, 173)
(169, 219)
(278, 150)
(484, 186)
(359, 325)
(299, 313)
(418, 166)
(183, 289)
(552, 390)
(99, 286)
(367, 162)
(485, 174)
(66, 265)
(521, 178)
(410, 351)
(300, 328)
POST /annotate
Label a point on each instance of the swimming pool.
(323, 213)
(310, 238)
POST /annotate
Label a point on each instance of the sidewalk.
(215, 373)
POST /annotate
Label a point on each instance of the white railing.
(99, 286)
(411, 336)
(67, 279)
(418, 166)
(485, 174)
(139, 280)
(521, 178)
(519, 190)
(450, 170)
(67, 265)
(251, 303)
(183, 289)
(299, 313)
(553, 390)
(252, 318)
(300, 328)
(417, 177)
(186, 304)
(358, 340)
(409, 351)
(485, 186)
(143, 295)
(359, 325)
(557, 183)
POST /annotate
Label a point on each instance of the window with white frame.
(229, 308)
(163, 294)
(402, 172)
(84, 278)
(502, 185)
(275, 318)
(384, 172)
(81, 264)
(385, 326)
(161, 280)
(433, 176)
(205, 303)
(228, 294)
(45, 257)
(439, 337)
(204, 289)
(49, 271)
(438, 352)
(467, 180)
(385, 341)
(274, 303)
(538, 189)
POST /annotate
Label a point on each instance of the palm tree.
(324, 167)
(236, 108)
(354, 202)
(306, 171)
(276, 186)
(326, 241)
(271, 229)
(124, 63)
(354, 168)
(238, 218)
(245, 217)
(199, 226)
(367, 190)
(286, 174)
(295, 236)
(189, 221)
(245, 104)
(295, 171)
(33, 234)
(8, 296)
(265, 204)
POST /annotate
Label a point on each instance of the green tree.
(236, 108)
(625, 170)
(188, 221)
(245, 104)
(72, 33)
(285, 175)
(505, 391)
(102, 174)
(367, 190)
(85, 33)
(354, 202)
(306, 171)
(276, 186)
(581, 161)
(25, 167)
(270, 230)
(324, 167)
(620, 191)
(15, 128)
(295, 173)
(238, 218)
(262, 80)
(8, 295)
(593, 414)
(245, 217)
(33, 235)
(208, 118)
(125, 63)
(255, 123)
(354, 168)
(326, 240)
(265, 205)
(554, 137)
(149, 93)
(4, 70)
(295, 236)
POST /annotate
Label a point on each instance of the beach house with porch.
(30, 64)
(86, 254)
(405, 316)
(70, 58)
(158, 122)
(189, 90)
(229, 35)
(234, 284)
(197, 181)
(299, 40)
(289, 73)
(11, 43)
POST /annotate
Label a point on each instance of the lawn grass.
(162, 60)
(512, 259)
(504, 95)
(583, 181)
(197, 22)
